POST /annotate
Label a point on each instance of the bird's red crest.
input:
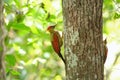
(51, 27)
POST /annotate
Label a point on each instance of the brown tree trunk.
(83, 39)
(2, 45)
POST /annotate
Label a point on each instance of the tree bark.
(2, 45)
(83, 39)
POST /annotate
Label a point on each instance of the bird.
(105, 49)
(56, 41)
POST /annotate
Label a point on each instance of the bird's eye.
(49, 28)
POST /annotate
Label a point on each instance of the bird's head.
(51, 28)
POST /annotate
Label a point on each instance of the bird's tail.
(60, 55)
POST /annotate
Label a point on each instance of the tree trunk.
(83, 39)
(2, 45)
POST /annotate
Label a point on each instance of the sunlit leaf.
(17, 2)
(20, 26)
(34, 30)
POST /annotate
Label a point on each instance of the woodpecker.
(105, 49)
(56, 41)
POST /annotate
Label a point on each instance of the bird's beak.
(54, 25)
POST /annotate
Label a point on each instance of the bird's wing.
(105, 49)
(55, 43)
(60, 38)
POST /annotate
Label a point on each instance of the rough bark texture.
(83, 39)
(2, 45)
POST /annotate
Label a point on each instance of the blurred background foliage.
(29, 53)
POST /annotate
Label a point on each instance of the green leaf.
(15, 72)
(8, 70)
(11, 60)
(116, 16)
(34, 30)
(21, 26)
(20, 16)
(1, 48)
(17, 2)
(8, 1)
(118, 1)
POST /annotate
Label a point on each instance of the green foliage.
(116, 16)
(10, 59)
(29, 53)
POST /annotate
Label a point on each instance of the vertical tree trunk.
(83, 39)
(2, 45)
